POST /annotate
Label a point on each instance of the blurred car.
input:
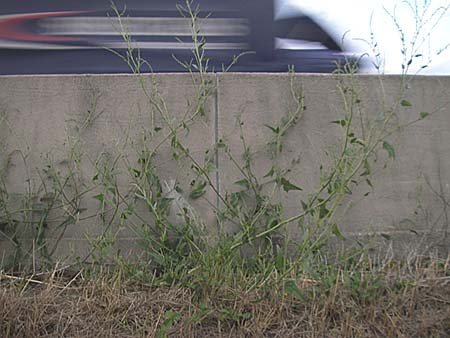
(75, 36)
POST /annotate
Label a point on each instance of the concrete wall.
(104, 120)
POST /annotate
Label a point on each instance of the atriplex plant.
(163, 215)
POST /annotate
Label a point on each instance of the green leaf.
(210, 167)
(304, 206)
(136, 173)
(275, 130)
(142, 159)
(319, 244)
(291, 288)
(323, 211)
(367, 170)
(389, 149)
(221, 144)
(272, 221)
(405, 103)
(165, 203)
(340, 122)
(243, 183)
(424, 114)
(337, 232)
(169, 320)
(270, 173)
(198, 191)
(100, 197)
(198, 315)
(287, 186)
(280, 260)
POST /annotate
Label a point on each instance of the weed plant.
(230, 278)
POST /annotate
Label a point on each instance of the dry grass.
(412, 301)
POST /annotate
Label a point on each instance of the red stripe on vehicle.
(10, 27)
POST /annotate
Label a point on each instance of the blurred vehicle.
(73, 36)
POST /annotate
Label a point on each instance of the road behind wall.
(77, 126)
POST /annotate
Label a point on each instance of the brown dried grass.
(412, 302)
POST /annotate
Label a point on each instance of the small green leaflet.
(243, 183)
(275, 130)
(389, 149)
(367, 170)
(342, 123)
(323, 211)
(170, 318)
(136, 172)
(198, 191)
(337, 232)
(221, 144)
(405, 103)
(424, 114)
(100, 198)
(210, 167)
(270, 173)
(288, 186)
(304, 206)
(291, 288)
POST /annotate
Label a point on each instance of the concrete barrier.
(72, 127)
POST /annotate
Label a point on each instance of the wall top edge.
(230, 74)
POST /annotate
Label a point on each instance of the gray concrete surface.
(84, 123)
(405, 198)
